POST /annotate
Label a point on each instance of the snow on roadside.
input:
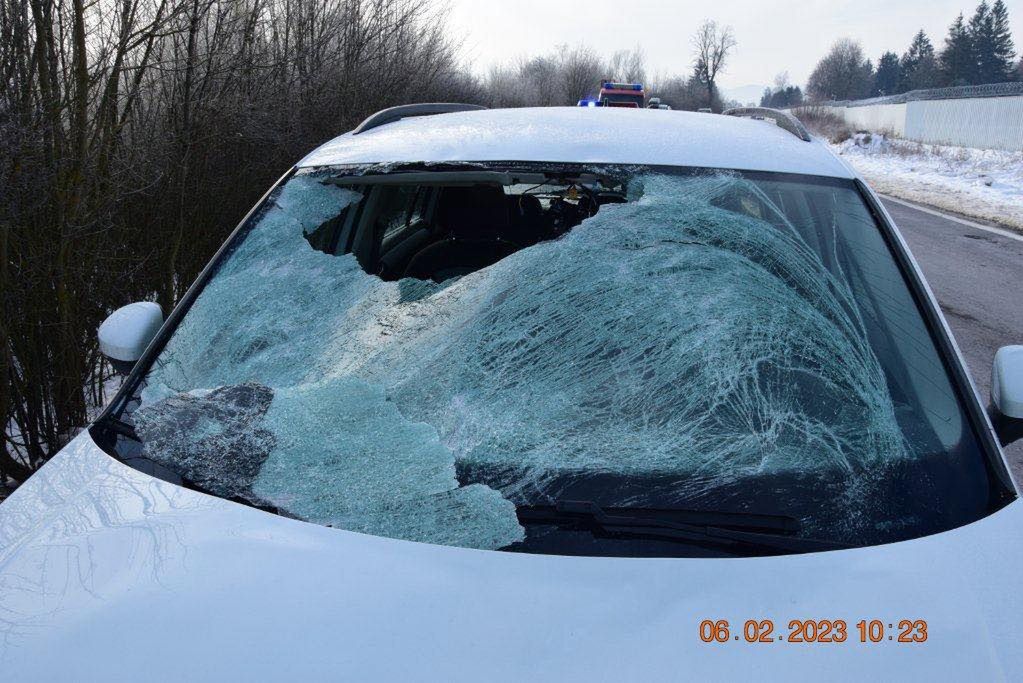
(981, 183)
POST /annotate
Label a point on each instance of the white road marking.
(955, 219)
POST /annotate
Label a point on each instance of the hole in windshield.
(595, 362)
(439, 226)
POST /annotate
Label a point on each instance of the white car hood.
(108, 573)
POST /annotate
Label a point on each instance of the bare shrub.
(824, 123)
(134, 134)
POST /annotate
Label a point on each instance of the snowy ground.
(980, 183)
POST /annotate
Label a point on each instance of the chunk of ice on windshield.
(215, 439)
(346, 457)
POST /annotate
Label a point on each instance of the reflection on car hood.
(106, 572)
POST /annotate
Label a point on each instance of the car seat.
(529, 225)
(476, 220)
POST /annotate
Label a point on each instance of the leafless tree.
(561, 77)
(582, 70)
(712, 45)
(135, 133)
(843, 74)
(627, 66)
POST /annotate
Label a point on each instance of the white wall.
(988, 122)
(878, 117)
(985, 122)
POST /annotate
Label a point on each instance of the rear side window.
(401, 206)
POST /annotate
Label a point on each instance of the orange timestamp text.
(815, 631)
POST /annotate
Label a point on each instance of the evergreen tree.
(888, 75)
(793, 96)
(919, 65)
(782, 95)
(783, 98)
(980, 30)
(956, 62)
(992, 43)
(1002, 50)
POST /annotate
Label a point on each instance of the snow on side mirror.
(125, 334)
(1007, 393)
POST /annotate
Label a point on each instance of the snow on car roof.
(585, 135)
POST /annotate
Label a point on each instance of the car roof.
(585, 135)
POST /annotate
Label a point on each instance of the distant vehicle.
(535, 394)
(630, 95)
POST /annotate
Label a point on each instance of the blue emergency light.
(608, 85)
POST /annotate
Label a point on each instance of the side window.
(401, 207)
(323, 237)
(334, 235)
(420, 205)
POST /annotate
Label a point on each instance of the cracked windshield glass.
(447, 356)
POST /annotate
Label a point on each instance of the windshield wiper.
(730, 529)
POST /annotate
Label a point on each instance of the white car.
(562, 393)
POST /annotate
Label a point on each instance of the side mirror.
(1007, 394)
(125, 334)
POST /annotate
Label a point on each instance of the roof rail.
(404, 111)
(785, 120)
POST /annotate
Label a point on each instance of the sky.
(772, 35)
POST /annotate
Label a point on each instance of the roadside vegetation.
(977, 51)
(824, 123)
(134, 134)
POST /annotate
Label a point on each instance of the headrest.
(526, 206)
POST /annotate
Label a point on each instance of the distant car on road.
(560, 393)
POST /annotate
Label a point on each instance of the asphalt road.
(977, 277)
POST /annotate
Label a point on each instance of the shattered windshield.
(424, 356)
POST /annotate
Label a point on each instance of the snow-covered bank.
(980, 183)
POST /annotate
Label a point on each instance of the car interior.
(436, 226)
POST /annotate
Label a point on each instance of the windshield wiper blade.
(739, 530)
(568, 509)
